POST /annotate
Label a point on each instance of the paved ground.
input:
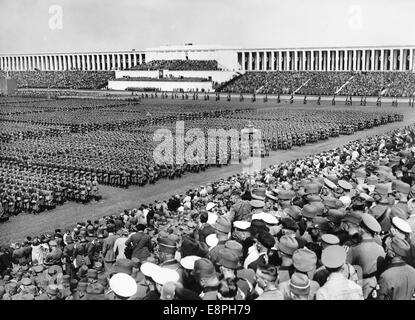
(115, 199)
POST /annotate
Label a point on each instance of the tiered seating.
(268, 82)
(325, 83)
(196, 65)
(63, 79)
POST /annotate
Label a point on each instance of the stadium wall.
(216, 76)
(385, 58)
(161, 85)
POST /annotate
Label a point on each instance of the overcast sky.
(31, 26)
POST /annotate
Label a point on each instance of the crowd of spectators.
(62, 79)
(401, 84)
(268, 82)
(325, 83)
(338, 225)
(182, 65)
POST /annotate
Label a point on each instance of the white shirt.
(338, 287)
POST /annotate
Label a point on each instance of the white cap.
(212, 240)
(212, 218)
(210, 206)
(189, 262)
(269, 218)
(401, 224)
(165, 275)
(345, 200)
(266, 217)
(149, 269)
(243, 225)
(256, 216)
(123, 285)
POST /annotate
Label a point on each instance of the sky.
(37, 26)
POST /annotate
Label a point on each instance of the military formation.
(54, 151)
(338, 225)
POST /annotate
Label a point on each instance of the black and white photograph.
(207, 154)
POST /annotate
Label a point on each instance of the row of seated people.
(194, 65)
(62, 79)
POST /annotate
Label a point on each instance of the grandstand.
(401, 84)
(357, 71)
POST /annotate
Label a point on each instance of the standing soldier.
(305, 99)
(319, 100)
(368, 254)
(379, 101)
(333, 101)
(398, 281)
(292, 98)
(278, 98)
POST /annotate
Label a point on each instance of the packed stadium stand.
(62, 79)
(325, 83)
(195, 65)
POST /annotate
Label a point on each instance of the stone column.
(135, 59)
(411, 57)
(354, 59)
(42, 63)
(395, 60)
(311, 63)
(88, 62)
(363, 60)
(124, 61)
(114, 64)
(118, 61)
(99, 62)
(93, 66)
(249, 61)
(82, 62)
(272, 61)
(295, 60)
(279, 60)
(382, 57)
(320, 60)
(401, 60)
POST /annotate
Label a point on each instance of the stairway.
(224, 84)
(344, 84)
(295, 91)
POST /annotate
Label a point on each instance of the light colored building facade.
(389, 58)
